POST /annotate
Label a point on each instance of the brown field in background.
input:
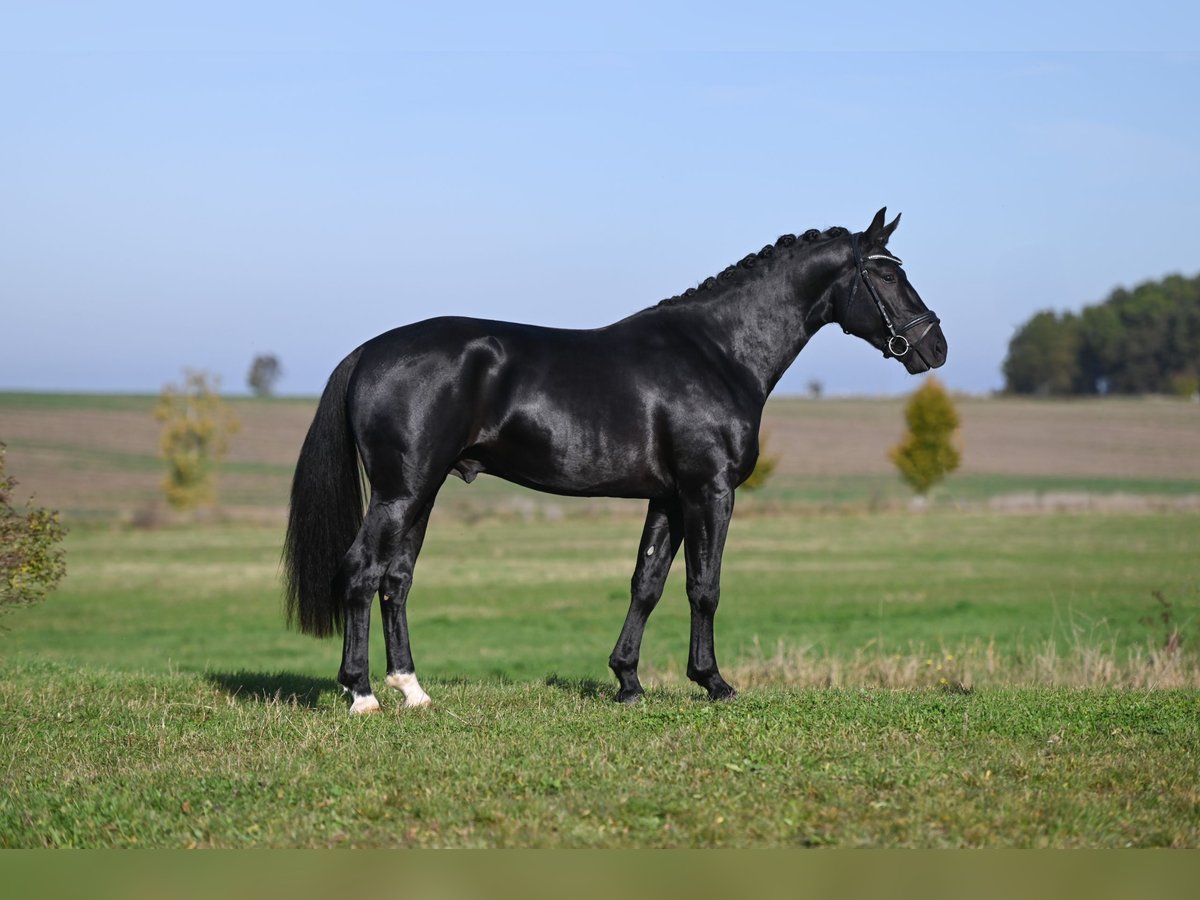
(97, 456)
(1139, 438)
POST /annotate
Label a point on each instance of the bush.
(763, 468)
(32, 560)
(928, 452)
(197, 424)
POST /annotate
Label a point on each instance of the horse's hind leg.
(393, 602)
(380, 537)
(660, 542)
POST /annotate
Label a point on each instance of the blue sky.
(186, 186)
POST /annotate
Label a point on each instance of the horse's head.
(877, 303)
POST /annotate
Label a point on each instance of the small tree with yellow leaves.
(763, 468)
(929, 451)
(32, 560)
(197, 425)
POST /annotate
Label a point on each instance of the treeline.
(1136, 342)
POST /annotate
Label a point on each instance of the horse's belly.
(563, 467)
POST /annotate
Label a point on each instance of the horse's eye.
(889, 277)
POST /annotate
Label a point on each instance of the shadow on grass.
(274, 687)
(587, 688)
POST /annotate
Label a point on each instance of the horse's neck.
(764, 324)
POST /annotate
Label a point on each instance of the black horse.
(663, 405)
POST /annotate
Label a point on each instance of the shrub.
(763, 468)
(928, 452)
(197, 424)
(32, 560)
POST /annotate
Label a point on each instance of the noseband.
(898, 345)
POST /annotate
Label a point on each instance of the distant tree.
(1100, 337)
(815, 388)
(32, 560)
(763, 468)
(197, 425)
(1145, 340)
(1158, 331)
(264, 372)
(1181, 355)
(928, 452)
(1043, 356)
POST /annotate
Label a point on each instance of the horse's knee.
(357, 585)
(395, 586)
(644, 597)
(359, 596)
(704, 601)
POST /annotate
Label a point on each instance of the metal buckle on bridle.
(897, 339)
(902, 339)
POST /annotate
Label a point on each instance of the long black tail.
(326, 511)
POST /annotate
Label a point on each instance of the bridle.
(897, 340)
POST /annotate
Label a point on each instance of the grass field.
(181, 761)
(924, 694)
(987, 672)
(494, 600)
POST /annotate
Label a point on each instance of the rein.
(898, 345)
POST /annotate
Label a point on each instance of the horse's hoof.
(628, 696)
(364, 705)
(407, 684)
(721, 693)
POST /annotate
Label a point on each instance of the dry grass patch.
(965, 667)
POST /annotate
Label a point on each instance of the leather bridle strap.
(898, 345)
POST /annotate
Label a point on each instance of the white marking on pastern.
(363, 704)
(407, 684)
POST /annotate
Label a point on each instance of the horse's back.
(466, 355)
(596, 412)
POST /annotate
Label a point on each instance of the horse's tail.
(326, 511)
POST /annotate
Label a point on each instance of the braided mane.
(730, 274)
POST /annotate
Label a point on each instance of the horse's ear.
(887, 232)
(874, 231)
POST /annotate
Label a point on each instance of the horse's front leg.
(706, 515)
(661, 537)
(393, 604)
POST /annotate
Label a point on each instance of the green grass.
(879, 491)
(984, 485)
(521, 600)
(97, 760)
(156, 699)
(854, 493)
